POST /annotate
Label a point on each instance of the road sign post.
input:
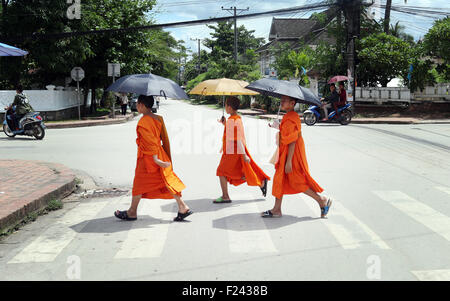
(77, 75)
(114, 70)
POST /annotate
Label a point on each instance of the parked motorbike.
(31, 124)
(315, 114)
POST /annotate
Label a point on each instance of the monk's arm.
(290, 155)
(165, 139)
(241, 150)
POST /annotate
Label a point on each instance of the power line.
(316, 6)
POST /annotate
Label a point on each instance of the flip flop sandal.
(181, 216)
(269, 214)
(264, 188)
(221, 201)
(324, 210)
(124, 216)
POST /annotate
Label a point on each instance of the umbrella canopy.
(149, 85)
(7, 50)
(279, 88)
(222, 86)
(338, 78)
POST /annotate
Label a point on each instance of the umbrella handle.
(161, 93)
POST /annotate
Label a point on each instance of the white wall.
(44, 100)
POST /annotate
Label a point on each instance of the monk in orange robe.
(236, 165)
(154, 176)
(291, 169)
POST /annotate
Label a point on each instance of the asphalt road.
(390, 219)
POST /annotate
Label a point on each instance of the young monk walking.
(154, 176)
(291, 170)
(236, 165)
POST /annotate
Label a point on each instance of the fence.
(44, 100)
(437, 93)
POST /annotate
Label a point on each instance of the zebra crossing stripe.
(348, 238)
(248, 234)
(146, 240)
(432, 275)
(420, 212)
(444, 189)
(52, 242)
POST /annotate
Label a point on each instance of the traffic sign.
(114, 69)
(77, 74)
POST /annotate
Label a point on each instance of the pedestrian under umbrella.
(292, 174)
(154, 176)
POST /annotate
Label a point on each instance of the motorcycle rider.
(330, 100)
(23, 107)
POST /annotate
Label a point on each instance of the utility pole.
(199, 54)
(234, 11)
(387, 16)
(352, 13)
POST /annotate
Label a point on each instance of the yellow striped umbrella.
(222, 86)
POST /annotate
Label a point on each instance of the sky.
(185, 10)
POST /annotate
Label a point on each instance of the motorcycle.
(315, 114)
(31, 124)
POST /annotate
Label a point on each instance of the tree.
(221, 42)
(437, 45)
(398, 31)
(382, 58)
(291, 64)
(421, 74)
(50, 60)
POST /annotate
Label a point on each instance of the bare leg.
(132, 211)
(277, 207)
(182, 207)
(224, 186)
(320, 199)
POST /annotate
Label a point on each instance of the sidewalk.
(373, 120)
(27, 186)
(90, 122)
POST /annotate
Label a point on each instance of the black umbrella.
(149, 85)
(278, 88)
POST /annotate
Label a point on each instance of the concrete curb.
(89, 123)
(13, 212)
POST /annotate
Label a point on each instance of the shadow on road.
(18, 138)
(207, 205)
(114, 225)
(252, 222)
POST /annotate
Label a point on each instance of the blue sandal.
(324, 210)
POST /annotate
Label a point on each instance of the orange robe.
(232, 164)
(152, 181)
(299, 180)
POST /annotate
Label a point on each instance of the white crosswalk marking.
(147, 240)
(349, 231)
(444, 189)
(422, 213)
(254, 236)
(432, 275)
(52, 242)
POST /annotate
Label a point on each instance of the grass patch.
(53, 205)
(78, 181)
